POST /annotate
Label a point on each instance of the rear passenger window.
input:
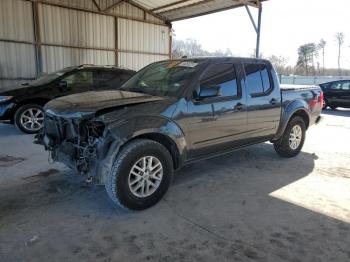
(265, 78)
(257, 77)
(223, 75)
(253, 77)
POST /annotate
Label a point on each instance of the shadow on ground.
(337, 112)
(216, 209)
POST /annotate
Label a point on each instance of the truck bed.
(297, 87)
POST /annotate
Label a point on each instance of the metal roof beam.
(251, 18)
(133, 3)
(169, 5)
(113, 5)
(97, 6)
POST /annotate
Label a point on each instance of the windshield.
(46, 79)
(167, 78)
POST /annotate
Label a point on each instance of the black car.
(336, 94)
(172, 113)
(23, 106)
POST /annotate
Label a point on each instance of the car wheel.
(29, 118)
(333, 107)
(140, 176)
(325, 105)
(293, 138)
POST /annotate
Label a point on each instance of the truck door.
(225, 127)
(263, 101)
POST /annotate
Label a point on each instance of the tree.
(322, 46)
(279, 63)
(306, 55)
(190, 47)
(339, 37)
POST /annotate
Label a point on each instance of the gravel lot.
(250, 205)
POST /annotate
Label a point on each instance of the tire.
(284, 146)
(120, 182)
(325, 105)
(23, 113)
(333, 107)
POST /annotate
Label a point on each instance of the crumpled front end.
(81, 144)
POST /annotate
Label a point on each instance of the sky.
(286, 24)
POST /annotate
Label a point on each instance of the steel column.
(257, 27)
(258, 32)
(37, 39)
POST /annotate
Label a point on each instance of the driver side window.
(79, 80)
(336, 86)
(224, 77)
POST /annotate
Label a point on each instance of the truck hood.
(89, 104)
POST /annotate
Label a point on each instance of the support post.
(258, 32)
(37, 39)
(116, 46)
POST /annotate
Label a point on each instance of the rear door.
(346, 94)
(263, 101)
(108, 79)
(224, 125)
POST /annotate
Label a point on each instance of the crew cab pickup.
(172, 113)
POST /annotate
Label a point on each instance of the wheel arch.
(39, 101)
(164, 140)
(296, 108)
(156, 128)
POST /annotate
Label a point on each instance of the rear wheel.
(325, 105)
(292, 140)
(140, 176)
(29, 118)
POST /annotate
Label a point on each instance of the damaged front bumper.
(84, 145)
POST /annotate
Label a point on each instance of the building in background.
(42, 36)
(39, 37)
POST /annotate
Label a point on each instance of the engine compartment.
(74, 142)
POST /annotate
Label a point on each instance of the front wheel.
(29, 118)
(140, 176)
(292, 140)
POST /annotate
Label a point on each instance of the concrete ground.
(250, 205)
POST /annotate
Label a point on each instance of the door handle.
(273, 101)
(238, 107)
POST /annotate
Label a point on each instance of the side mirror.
(62, 84)
(209, 91)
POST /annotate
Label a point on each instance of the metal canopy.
(174, 10)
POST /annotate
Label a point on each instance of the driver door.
(76, 82)
(218, 118)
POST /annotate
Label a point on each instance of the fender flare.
(296, 107)
(120, 133)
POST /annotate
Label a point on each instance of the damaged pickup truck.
(172, 113)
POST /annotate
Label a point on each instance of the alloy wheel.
(32, 119)
(295, 137)
(145, 176)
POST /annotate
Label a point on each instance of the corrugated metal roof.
(166, 10)
(173, 10)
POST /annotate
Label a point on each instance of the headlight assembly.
(5, 98)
